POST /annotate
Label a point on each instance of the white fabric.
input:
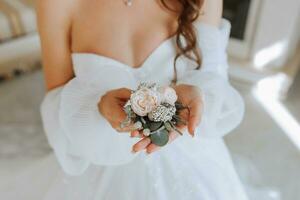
(85, 145)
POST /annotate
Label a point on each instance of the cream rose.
(144, 101)
(168, 95)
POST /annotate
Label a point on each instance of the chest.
(124, 33)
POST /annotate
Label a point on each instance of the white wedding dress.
(96, 163)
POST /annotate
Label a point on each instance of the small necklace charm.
(128, 2)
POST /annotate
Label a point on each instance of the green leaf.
(154, 126)
(168, 126)
(178, 131)
(178, 120)
(160, 137)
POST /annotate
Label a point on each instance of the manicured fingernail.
(193, 133)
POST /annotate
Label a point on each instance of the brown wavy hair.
(188, 13)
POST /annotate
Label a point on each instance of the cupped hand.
(111, 107)
(145, 142)
(190, 97)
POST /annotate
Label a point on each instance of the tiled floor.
(21, 135)
(266, 159)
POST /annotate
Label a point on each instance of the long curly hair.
(188, 13)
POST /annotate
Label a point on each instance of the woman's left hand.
(189, 96)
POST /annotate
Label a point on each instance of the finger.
(184, 116)
(121, 129)
(194, 117)
(181, 127)
(128, 128)
(136, 133)
(116, 115)
(173, 135)
(142, 144)
(123, 93)
(119, 119)
(152, 148)
(125, 130)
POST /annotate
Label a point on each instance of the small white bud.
(146, 132)
(138, 125)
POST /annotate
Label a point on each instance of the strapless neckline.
(157, 50)
(169, 42)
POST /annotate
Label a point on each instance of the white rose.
(168, 95)
(144, 101)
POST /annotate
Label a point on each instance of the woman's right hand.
(111, 108)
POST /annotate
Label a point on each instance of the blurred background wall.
(19, 42)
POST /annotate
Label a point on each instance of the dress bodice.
(158, 66)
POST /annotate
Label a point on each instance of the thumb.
(123, 93)
(194, 117)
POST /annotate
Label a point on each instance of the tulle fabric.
(223, 105)
(175, 173)
(75, 129)
(85, 144)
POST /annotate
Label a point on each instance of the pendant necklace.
(128, 2)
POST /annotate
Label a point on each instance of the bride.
(94, 53)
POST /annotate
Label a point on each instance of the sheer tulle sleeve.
(77, 132)
(223, 107)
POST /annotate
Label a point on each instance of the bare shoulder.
(54, 19)
(55, 11)
(211, 12)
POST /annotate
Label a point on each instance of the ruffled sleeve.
(77, 132)
(223, 107)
